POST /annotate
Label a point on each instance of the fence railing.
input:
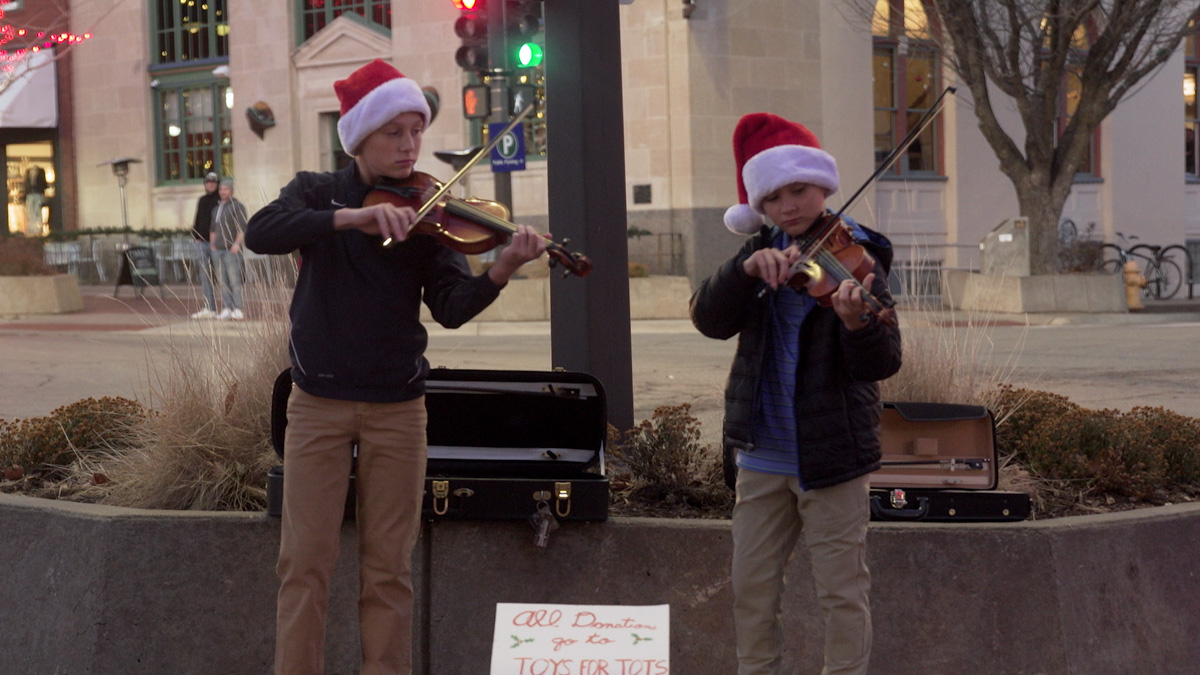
(96, 259)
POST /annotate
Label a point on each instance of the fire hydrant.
(1135, 281)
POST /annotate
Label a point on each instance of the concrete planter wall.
(92, 589)
(973, 291)
(54, 294)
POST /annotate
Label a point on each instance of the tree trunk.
(1042, 209)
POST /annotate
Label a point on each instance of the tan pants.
(770, 513)
(389, 484)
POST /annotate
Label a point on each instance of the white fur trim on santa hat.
(377, 108)
(742, 219)
(783, 165)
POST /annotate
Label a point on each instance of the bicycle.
(1163, 275)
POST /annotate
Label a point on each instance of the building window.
(1191, 114)
(333, 155)
(1068, 101)
(191, 105)
(316, 14)
(190, 31)
(907, 72)
(193, 130)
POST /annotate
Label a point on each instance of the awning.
(31, 99)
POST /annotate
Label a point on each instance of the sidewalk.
(152, 312)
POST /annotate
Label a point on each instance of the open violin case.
(940, 464)
(503, 444)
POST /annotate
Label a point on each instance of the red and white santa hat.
(371, 97)
(772, 152)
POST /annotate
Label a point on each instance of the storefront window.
(31, 187)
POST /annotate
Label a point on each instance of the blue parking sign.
(509, 153)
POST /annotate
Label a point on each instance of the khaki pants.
(770, 513)
(389, 484)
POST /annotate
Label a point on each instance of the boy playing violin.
(802, 401)
(357, 347)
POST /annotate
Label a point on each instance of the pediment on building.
(348, 39)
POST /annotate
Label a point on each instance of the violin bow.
(891, 157)
(485, 150)
(886, 164)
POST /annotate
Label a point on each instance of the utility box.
(1005, 250)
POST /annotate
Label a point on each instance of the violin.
(469, 226)
(829, 255)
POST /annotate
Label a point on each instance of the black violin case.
(503, 444)
(940, 464)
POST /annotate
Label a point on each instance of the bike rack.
(1187, 255)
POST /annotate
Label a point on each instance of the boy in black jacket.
(802, 400)
(358, 364)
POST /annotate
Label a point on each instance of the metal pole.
(589, 317)
(124, 212)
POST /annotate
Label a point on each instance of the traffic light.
(476, 101)
(524, 22)
(472, 27)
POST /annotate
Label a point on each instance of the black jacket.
(356, 330)
(202, 224)
(837, 395)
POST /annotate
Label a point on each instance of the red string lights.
(37, 41)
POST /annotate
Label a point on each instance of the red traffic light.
(468, 4)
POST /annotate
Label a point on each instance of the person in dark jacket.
(802, 401)
(358, 364)
(201, 228)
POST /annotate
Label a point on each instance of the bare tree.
(1027, 50)
(47, 19)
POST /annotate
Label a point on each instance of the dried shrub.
(638, 270)
(1176, 436)
(208, 445)
(45, 444)
(1083, 454)
(662, 462)
(947, 357)
(20, 257)
(1019, 411)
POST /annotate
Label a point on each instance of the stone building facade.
(690, 71)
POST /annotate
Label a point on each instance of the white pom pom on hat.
(772, 152)
(371, 97)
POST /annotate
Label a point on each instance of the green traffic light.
(529, 55)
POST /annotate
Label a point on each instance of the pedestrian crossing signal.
(476, 101)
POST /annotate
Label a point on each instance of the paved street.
(115, 347)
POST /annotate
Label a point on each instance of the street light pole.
(120, 169)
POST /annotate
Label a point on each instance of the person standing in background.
(201, 226)
(227, 236)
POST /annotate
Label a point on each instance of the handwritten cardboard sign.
(536, 639)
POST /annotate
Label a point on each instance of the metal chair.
(62, 256)
(94, 258)
(179, 254)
